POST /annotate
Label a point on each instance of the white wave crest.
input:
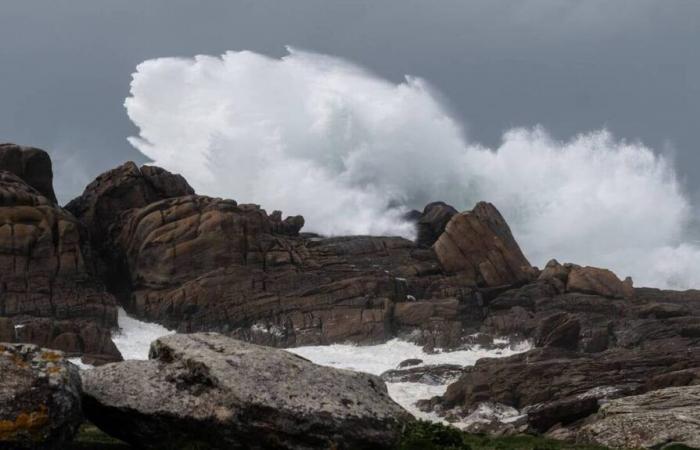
(315, 135)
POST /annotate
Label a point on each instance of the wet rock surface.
(209, 390)
(39, 398)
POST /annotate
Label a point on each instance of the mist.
(316, 135)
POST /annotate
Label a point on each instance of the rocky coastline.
(611, 364)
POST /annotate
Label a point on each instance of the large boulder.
(32, 165)
(651, 420)
(479, 245)
(49, 293)
(211, 391)
(39, 398)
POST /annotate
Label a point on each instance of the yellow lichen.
(26, 423)
(51, 356)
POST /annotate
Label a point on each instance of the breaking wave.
(316, 135)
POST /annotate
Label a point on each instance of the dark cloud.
(631, 66)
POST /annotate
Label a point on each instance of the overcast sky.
(630, 66)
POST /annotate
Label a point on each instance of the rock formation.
(197, 263)
(49, 292)
(39, 398)
(206, 390)
(143, 238)
(478, 245)
(432, 222)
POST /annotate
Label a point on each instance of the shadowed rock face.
(219, 393)
(432, 222)
(39, 398)
(478, 245)
(48, 293)
(31, 165)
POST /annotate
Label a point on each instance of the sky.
(632, 67)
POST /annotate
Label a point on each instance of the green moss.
(91, 437)
(431, 436)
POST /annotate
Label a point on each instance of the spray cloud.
(315, 135)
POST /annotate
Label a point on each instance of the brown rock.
(31, 165)
(197, 263)
(554, 270)
(592, 280)
(479, 245)
(46, 276)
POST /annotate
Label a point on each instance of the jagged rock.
(592, 280)
(31, 165)
(432, 222)
(39, 398)
(211, 391)
(47, 283)
(478, 244)
(434, 374)
(558, 330)
(651, 420)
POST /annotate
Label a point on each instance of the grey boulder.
(39, 398)
(651, 420)
(206, 390)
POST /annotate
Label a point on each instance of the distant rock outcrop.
(215, 392)
(478, 245)
(39, 398)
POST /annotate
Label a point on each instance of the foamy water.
(134, 337)
(377, 359)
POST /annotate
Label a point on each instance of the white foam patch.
(315, 135)
(377, 359)
(81, 365)
(134, 336)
